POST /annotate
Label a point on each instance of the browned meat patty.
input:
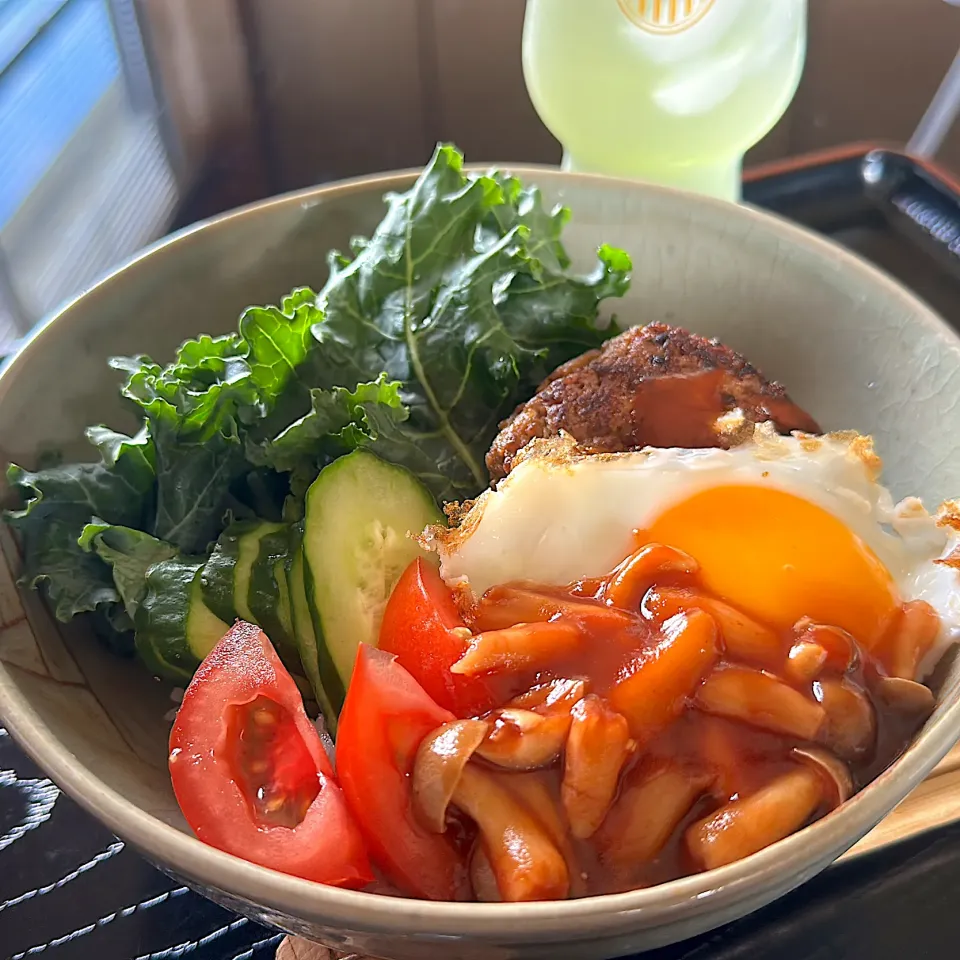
(653, 386)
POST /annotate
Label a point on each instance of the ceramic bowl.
(853, 347)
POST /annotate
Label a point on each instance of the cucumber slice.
(175, 628)
(268, 597)
(321, 675)
(284, 611)
(226, 576)
(360, 514)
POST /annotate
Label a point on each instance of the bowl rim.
(543, 921)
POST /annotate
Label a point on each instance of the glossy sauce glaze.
(652, 730)
(695, 402)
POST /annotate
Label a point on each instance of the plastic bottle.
(672, 91)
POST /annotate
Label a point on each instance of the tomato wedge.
(250, 772)
(385, 716)
(423, 628)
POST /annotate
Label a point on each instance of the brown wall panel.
(357, 85)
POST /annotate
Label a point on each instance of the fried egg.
(782, 527)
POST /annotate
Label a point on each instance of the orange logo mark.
(665, 16)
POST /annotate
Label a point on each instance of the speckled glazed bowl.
(852, 346)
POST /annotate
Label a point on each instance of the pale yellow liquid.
(675, 108)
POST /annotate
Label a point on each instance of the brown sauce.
(681, 410)
(733, 759)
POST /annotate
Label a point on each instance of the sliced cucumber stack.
(360, 519)
(175, 628)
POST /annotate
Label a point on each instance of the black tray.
(901, 213)
(70, 891)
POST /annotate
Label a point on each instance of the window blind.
(85, 172)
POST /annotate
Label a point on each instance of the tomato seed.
(271, 763)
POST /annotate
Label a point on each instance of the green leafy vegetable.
(340, 420)
(60, 501)
(192, 407)
(462, 302)
(199, 408)
(130, 554)
(278, 341)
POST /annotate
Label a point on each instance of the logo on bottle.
(665, 16)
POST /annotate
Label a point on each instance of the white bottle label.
(665, 16)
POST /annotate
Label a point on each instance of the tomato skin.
(385, 716)
(418, 626)
(326, 846)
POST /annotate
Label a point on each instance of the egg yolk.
(780, 558)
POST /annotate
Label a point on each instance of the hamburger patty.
(653, 386)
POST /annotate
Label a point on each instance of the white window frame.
(114, 188)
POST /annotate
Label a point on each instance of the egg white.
(562, 515)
